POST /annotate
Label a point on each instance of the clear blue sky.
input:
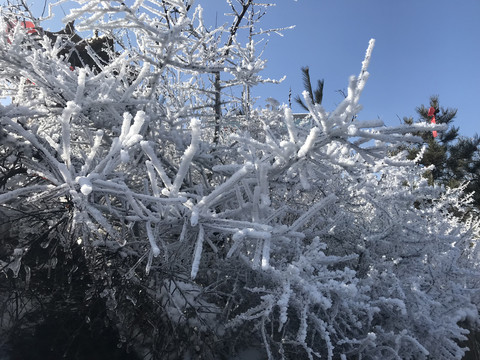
(423, 47)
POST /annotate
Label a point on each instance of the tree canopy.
(141, 208)
(453, 160)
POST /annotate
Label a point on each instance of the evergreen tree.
(453, 159)
(315, 96)
(464, 166)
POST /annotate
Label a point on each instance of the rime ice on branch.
(314, 237)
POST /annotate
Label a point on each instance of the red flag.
(431, 113)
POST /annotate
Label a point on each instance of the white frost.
(85, 185)
(198, 252)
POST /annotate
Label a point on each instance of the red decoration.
(30, 26)
(431, 113)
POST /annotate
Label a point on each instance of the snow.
(206, 200)
(198, 252)
(290, 125)
(309, 142)
(187, 157)
(288, 236)
(85, 185)
(124, 156)
(67, 113)
(151, 238)
(157, 165)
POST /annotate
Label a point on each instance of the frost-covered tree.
(300, 239)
